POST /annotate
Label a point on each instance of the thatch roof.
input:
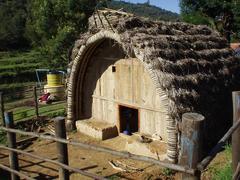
(192, 64)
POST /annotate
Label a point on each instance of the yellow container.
(54, 79)
(57, 91)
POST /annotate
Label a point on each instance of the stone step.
(97, 129)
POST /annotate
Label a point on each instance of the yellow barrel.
(54, 79)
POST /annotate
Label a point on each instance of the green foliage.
(13, 17)
(168, 172)
(16, 67)
(222, 15)
(3, 138)
(198, 18)
(225, 171)
(54, 24)
(145, 10)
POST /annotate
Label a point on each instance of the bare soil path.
(88, 160)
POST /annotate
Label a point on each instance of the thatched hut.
(156, 70)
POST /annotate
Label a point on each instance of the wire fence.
(60, 138)
(26, 105)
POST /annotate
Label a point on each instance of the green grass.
(52, 110)
(22, 112)
(3, 138)
(225, 171)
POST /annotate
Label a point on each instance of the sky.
(171, 5)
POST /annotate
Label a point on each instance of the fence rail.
(15, 172)
(219, 147)
(53, 162)
(190, 166)
(105, 150)
(27, 106)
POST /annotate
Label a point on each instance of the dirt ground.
(93, 161)
(90, 161)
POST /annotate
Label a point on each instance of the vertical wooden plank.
(236, 134)
(60, 132)
(2, 107)
(35, 100)
(147, 124)
(191, 143)
(11, 138)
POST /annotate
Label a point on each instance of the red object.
(234, 45)
(44, 97)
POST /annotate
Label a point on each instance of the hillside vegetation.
(39, 34)
(17, 70)
(145, 10)
(220, 15)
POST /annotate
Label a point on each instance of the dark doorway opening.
(128, 118)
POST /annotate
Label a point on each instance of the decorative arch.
(77, 75)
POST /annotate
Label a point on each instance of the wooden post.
(191, 143)
(11, 138)
(236, 134)
(35, 100)
(2, 108)
(60, 132)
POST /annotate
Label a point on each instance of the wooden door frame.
(119, 116)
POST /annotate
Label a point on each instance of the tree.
(55, 24)
(223, 15)
(12, 30)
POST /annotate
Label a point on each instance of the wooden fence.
(26, 105)
(191, 162)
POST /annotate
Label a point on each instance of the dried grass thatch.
(192, 65)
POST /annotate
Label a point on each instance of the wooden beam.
(219, 147)
(106, 150)
(15, 172)
(54, 162)
(236, 134)
(128, 103)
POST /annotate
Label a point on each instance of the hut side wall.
(130, 85)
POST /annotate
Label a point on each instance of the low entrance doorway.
(128, 120)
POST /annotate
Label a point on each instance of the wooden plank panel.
(147, 122)
(161, 125)
(147, 93)
(112, 112)
(137, 75)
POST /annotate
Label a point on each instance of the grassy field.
(51, 110)
(17, 78)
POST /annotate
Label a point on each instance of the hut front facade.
(141, 76)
